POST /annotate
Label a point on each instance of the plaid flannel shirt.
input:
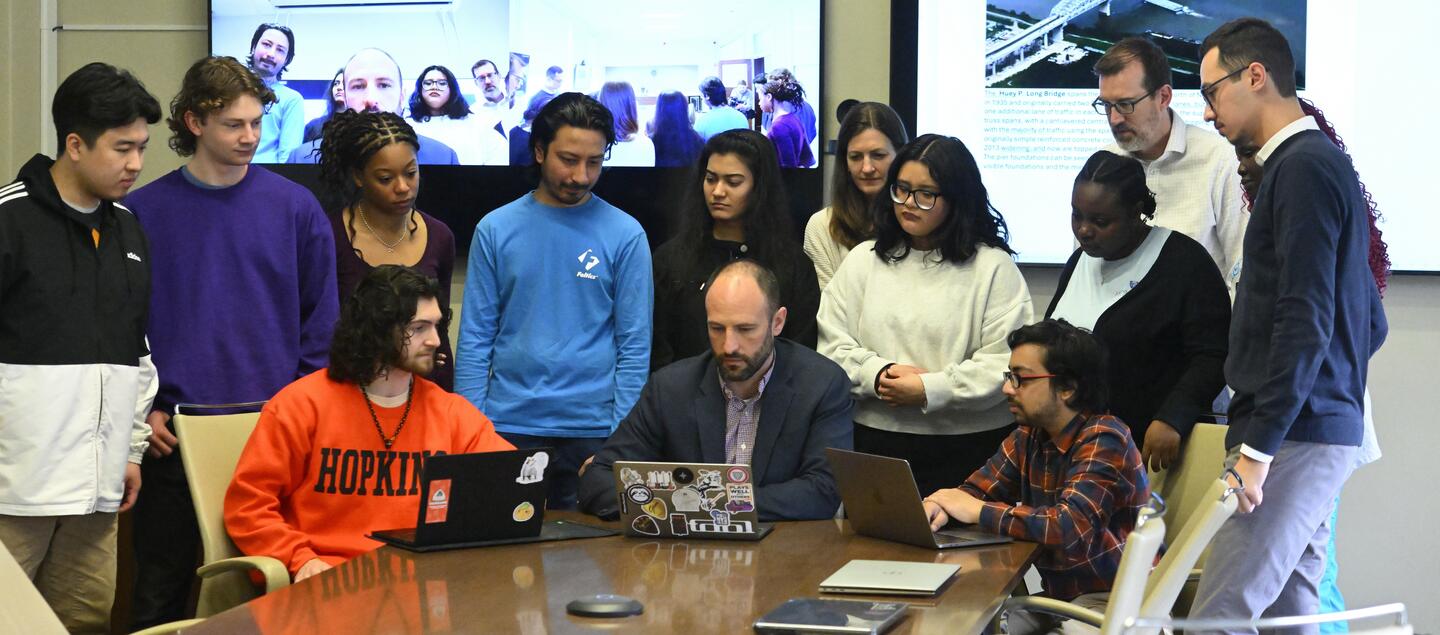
(1078, 495)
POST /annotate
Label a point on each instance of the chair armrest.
(1195, 575)
(1049, 606)
(276, 575)
(168, 628)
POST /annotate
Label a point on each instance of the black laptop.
(483, 499)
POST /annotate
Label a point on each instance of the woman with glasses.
(439, 110)
(918, 317)
(371, 182)
(870, 134)
(735, 208)
(1153, 297)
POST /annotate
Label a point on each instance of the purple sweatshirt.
(243, 286)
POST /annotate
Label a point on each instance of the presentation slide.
(1013, 79)
(628, 53)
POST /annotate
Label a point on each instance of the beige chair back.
(23, 610)
(211, 449)
(1185, 487)
(1169, 578)
(1128, 591)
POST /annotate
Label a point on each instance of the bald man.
(753, 399)
(373, 83)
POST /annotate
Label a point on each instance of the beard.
(752, 363)
(420, 363)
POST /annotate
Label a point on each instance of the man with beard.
(753, 399)
(492, 106)
(1069, 478)
(338, 453)
(373, 84)
(272, 48)
(555, 331)
(1190, 169)
(223, 329)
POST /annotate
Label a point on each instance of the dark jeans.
(167, 544)
(562, 477)
(937, 460)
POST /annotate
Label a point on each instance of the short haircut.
(1152, 59)
(399, 74)
(1123, 176)
(971, 222)
(1245, 40)
(850, 221)
(483, 62)
(454, 108)
(96, 98)
(1074, 356)
(553, 71)
(714, 91)
(210, 85)
(289, 49)
(763, 277)
(571, 109)
(370, 334)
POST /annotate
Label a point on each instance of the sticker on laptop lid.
(656, 508)
(629, 476)
(687, 499)
(645, 525)
(738, 475)
(639, 494)
(660, 479)
(678, 525)
(523, 512)
(683, 475)
(742, 497)
(437, 508)
(533, 471)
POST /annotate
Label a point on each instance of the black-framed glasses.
(924, 199)
(435, 83)
(1207, 92)
(1124, 106)
(1016, 379)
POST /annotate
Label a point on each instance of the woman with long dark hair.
(1153, 297)
(315, 127)
(372, 180)
(676, 142)
(735, 208)
(439, 110)
(870, 134)
(632, 147)
(918, 317)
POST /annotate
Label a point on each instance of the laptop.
(889, 577)
(482, 499)
(882, 501)
(688, 500)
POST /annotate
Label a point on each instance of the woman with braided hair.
(372, 180)
(1153, 297)
(784, 98)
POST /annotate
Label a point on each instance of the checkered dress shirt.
(742, 417)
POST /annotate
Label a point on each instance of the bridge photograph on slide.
(1054, 43)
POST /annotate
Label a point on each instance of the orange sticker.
(439, 504)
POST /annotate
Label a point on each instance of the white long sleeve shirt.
(950, 319)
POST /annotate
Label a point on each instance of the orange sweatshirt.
(315, 477)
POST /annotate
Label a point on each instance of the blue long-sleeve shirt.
(243, 297)
(1307, 312)
(282, 129)
(555, 324)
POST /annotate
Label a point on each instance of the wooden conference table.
(687, 586)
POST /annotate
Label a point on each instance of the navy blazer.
(806, 407)
(432, 152)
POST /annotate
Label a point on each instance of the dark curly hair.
(211, 84)
(1379, 251)
(782, 85)
(349, 141)
(370, 335)
(1074, 357)
(1124, 176)
(972, 221)
(454, 107)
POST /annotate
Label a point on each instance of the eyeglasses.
(1207, 92)
(1015, 379)
(924, 199)
(435, 83)
(1124, 106)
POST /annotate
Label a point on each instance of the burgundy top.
(438, 261)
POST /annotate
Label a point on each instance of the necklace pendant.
(388, 443)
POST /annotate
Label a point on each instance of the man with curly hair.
(244, 297)
(338, 454)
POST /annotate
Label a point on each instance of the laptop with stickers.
(688, 500)
(482, 499)
(882, 501)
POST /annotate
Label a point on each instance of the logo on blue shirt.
(589, 264)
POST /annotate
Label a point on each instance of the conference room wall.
(1389, 510)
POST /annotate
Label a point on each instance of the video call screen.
(1013, 80)
(633, 55)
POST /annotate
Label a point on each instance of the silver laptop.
(882, 501)
(889, 577)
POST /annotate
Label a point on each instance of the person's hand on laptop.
(945, 504)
